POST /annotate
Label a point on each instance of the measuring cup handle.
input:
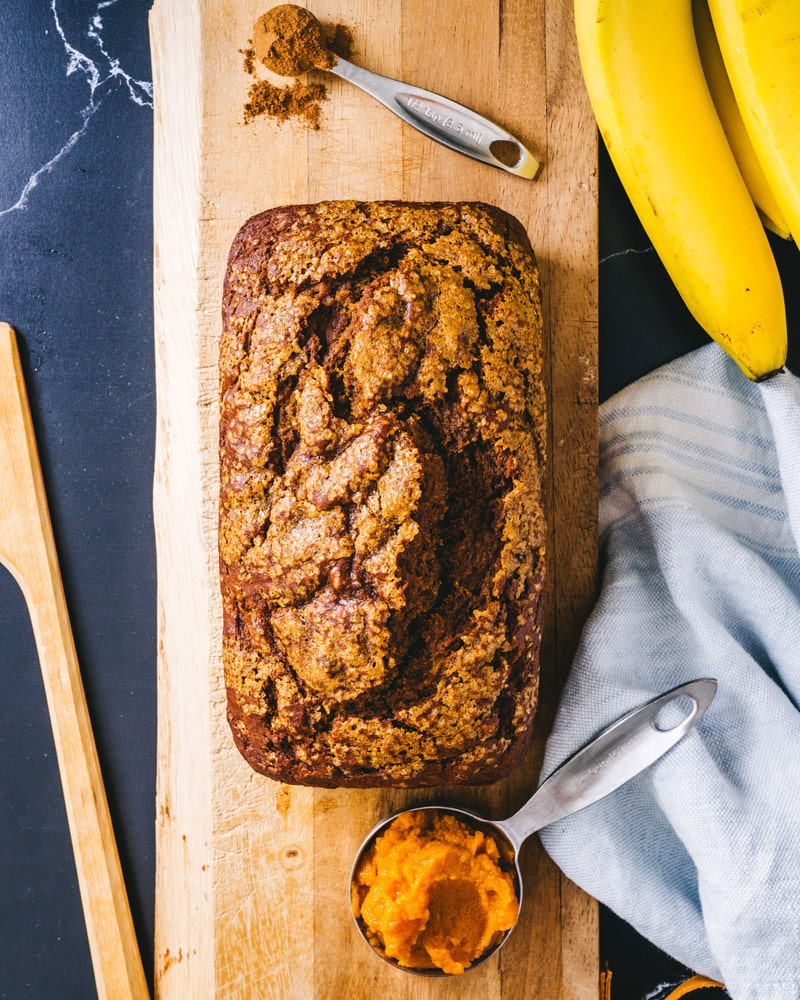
(620, 752)
(445, 121)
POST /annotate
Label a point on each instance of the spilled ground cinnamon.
(288, 40)
(298, 100)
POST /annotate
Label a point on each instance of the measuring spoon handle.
(620, 752)
(443, 120)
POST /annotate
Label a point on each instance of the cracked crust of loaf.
(381, 533)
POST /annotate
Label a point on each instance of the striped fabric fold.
(699, 527)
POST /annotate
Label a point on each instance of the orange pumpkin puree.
(431, 893)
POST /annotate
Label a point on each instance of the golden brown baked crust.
(382, 442)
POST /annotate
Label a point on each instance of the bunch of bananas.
(698, 103)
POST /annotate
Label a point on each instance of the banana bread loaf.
(381, 535)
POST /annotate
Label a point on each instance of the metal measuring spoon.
(621, 751)
(289, 40)
(443, 120)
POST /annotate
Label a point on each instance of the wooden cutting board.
(251, 891)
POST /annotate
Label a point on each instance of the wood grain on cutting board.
(251, 891)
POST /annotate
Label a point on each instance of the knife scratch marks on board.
(100, 79)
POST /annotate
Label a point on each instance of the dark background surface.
(76, 283)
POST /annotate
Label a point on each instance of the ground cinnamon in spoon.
(289, 40)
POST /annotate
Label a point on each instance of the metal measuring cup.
(621, 751)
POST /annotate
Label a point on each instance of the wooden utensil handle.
(28, 549)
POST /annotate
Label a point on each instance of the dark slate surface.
(76, 282)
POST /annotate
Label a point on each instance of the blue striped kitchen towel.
(699, 531)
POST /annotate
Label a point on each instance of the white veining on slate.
(99, 80)
(660, 991)
(624, 253)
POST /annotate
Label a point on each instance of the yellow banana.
(655, 113)
(731, 118)
(760, 44)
